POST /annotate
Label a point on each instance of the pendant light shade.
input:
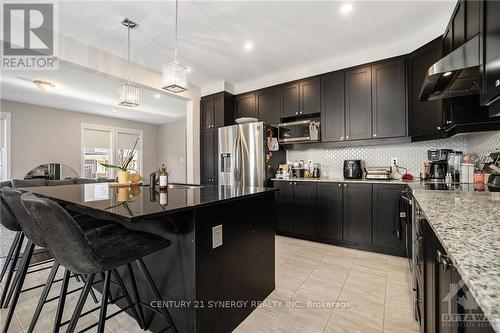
(175, 75)
(128, 93)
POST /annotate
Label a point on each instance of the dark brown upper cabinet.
(269, 105)
(425, 118)
(333, 107)
(310, 96)
(208, 154)
(358, 103)
(389, 99)
(291, 100)
(216, 110)
(472, 19)
(245, 106)
(207, 113)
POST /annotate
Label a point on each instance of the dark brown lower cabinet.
(449, 307)
(284, 206)
(357, 213)
(329, 198)
(387, 230)
(351, 214)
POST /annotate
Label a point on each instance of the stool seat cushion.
(117, 246)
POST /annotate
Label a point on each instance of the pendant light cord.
(128, 51)
(176, 11)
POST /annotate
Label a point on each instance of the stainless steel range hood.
(455, 75)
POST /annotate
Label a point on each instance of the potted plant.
(123, 172)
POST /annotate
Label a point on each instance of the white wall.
(42, 134)
(172, 149)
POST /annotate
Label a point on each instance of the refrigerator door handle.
(237, 160)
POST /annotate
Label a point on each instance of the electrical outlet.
(394, 161)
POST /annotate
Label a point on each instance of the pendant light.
(129, 94)
(175, 75)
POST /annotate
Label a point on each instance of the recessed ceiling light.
(346, 8)
(157, 95)
(248, 46)
(44, 85)
(447, 74)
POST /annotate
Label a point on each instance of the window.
(5, 147)
(108, 145)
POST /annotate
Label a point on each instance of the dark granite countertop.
(132, 203)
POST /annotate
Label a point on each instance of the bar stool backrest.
(64, 237)
(7, 217)
(13, 198)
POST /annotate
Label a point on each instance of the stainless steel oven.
(299, 131)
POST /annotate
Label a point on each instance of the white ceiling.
(83, 90)
(286, 34)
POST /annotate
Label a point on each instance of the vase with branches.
(123, 164)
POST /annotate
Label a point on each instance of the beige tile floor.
(319, 288)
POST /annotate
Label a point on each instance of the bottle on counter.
(163, 178)
(316, 170)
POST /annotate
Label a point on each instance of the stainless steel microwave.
(299, 131)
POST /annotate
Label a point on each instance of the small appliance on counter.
(352, 169)
(438, 164)
(491, 166)
(382, 173)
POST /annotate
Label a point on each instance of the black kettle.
(352, 169)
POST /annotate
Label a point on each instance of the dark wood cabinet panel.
(207, 113)
(357, 213)
(310, 96)
(426, 118)
(304, 201)
(389, 99)
(333, 107)
(387, 231)
(284, 206)
(245, 106)
(329, 210)
(219, 120)
(447, 40)
(291, 100)
(208, 150)
(358, 103)
(269, 105)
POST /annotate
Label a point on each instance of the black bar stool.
(12, 199)
(90, 254)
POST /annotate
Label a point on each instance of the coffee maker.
(438, 160)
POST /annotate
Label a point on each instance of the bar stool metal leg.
(137, 316)
(62, 301)
(104, 302)
(43, 297)
(9, 257)
(28, 252)
(135, 295)
(80, 303)
(12, 268)
(156, 293)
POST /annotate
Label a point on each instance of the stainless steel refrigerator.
(244, 157)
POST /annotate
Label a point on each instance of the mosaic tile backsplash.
(410, 155)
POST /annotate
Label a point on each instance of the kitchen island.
(220, 264)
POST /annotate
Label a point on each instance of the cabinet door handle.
(296, 112)
(345, 185)
(301, 112)
(291, 183)
(374, 135)
(340, 185)
(347, 137)
(439, 128)
(448, 122)
(497, 83)
(341, 138)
